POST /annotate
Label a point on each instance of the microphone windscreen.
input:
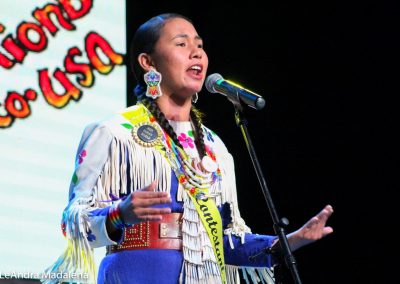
(211, 80)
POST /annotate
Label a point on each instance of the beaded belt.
(164, 234)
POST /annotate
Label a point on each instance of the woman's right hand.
(138, 206)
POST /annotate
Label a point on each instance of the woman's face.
(180, 58)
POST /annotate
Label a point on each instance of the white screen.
(37, 152)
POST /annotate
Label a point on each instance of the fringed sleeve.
(108, 164)
(83, 220)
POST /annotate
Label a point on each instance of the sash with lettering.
(141, 119)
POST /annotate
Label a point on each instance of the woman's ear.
(145, 61)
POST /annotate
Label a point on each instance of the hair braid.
(161, 119)
(196, 117)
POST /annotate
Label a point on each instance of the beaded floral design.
(74, 178)
(153, 79)
(209, 135)
(186, 141)
(90, 236)
(81, 156)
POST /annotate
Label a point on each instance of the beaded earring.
(152, 79)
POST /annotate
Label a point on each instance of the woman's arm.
(313, 230)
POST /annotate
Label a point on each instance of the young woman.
(157, 187)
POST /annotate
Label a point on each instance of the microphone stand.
(278, 224)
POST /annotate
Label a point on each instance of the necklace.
(194, 175)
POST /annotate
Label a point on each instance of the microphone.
(215, 83)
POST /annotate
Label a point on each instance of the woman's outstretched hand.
(313, 230)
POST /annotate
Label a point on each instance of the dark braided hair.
(161, 119)
(195, 116)
(144, 41)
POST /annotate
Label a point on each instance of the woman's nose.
(196, 53)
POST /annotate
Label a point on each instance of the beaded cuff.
(116, 218)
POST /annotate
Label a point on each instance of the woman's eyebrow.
(197, 37)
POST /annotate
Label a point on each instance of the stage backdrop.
(61, 67)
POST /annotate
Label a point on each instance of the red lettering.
(73, 14)
(43, 16)
(65, 13)
(16, 105)
(14, 49)
(6, 121)
(30, 95)
(94, 41)
(54, 99)
(86, 79)
(6, 62)
(22, 35)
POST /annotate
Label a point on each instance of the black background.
(328, 72)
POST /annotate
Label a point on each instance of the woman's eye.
(181, 44)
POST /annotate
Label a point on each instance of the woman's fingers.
(325, 213)
(312, 223)
(151, 187)
(150, 194)
(147, 197)
(152, 211)
(321, 218)
(150, 199)
(139, 206)
(313, 230)
(327, 231)
(151, 214)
